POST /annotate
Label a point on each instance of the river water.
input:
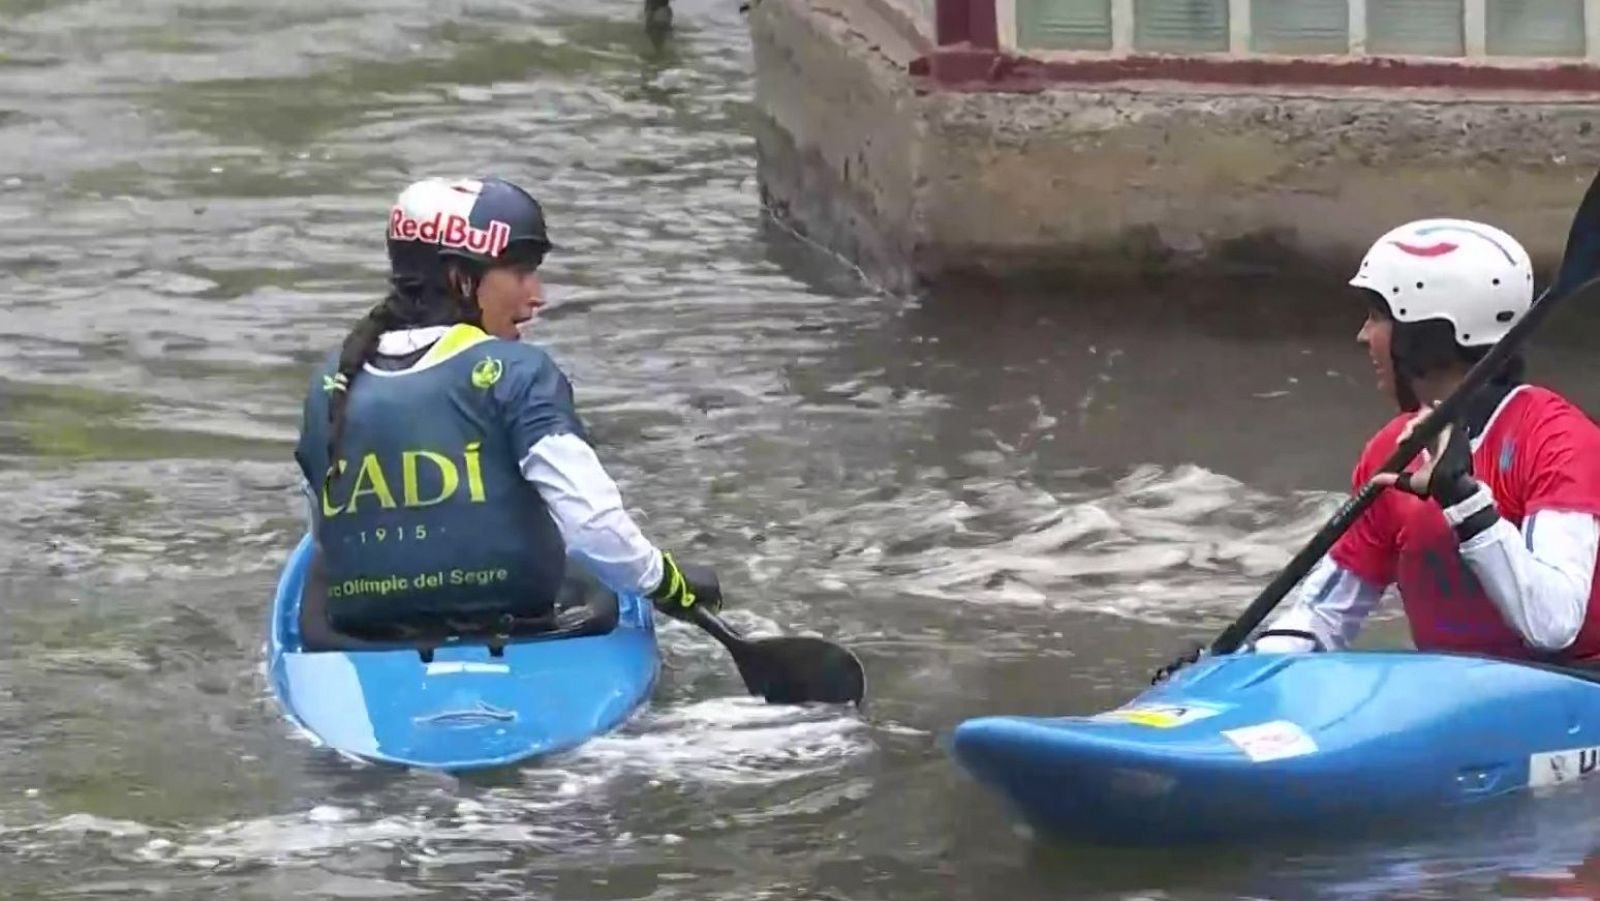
(1003, 503)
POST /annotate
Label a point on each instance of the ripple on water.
(722, 765)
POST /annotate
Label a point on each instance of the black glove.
(686, 586)
(1192, 655)
(1447, 478)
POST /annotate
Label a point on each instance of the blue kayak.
(1245, 745)
(460, 705)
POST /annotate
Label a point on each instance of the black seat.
(582, 607)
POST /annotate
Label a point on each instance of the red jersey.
(1538, 452)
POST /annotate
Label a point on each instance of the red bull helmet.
(485, 221)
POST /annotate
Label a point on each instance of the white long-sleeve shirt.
(1538, 577)
(581, 496)
(587, 508)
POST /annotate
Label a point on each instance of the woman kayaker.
(448, 474)
(1491, 539)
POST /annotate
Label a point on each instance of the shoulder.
(510, 353)
(488, 362)
(1380, 446)
(320, 372)
(528, 388)
(1538, 407)
(327, 364)
(1541, 418)
(517, 374)
(314, 408)
(1551, 449)
(513, 362)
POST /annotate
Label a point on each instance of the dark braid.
(359, 347)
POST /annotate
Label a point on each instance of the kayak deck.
(461, 706)
(1242, 745)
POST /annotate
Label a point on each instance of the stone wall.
(923, 182)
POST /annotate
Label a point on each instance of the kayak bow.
(1244, 745)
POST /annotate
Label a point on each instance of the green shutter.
(1064, 24)
(1419, 27)
(1536, 28)
(1180, 26)
(1300, 26)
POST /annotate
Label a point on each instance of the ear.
(462, 282)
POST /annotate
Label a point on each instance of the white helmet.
(1473, 275)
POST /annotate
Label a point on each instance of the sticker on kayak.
(1556, 767)
(451, 667)
(1276, 740)
(1159, 716)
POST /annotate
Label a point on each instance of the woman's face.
(1377, 333)
(509, 296)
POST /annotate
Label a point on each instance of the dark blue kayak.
(461, 705)
(1244, 745)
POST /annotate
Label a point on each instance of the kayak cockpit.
(583, 608)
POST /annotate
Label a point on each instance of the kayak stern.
(464, 707)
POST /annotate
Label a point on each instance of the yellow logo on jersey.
(486, 372)
(373, 480)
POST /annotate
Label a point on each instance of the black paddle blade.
(1580, 260)
(801, 669)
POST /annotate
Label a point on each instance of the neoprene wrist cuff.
(1473, 515)
(671, 579)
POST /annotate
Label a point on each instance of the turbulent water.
(1003, 504)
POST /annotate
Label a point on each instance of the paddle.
(1580, 265)
(789, 669)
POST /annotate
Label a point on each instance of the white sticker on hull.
(452, 667)
(1556, 767)
(1276, 740)
(1159, 716)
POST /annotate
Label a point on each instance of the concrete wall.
(1090, 172)
(1129, 180)
(840, 136)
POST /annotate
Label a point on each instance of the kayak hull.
(467, 708)
(1242, 746)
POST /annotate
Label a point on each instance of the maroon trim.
(966, 22)
(985, 27)
(966, 69)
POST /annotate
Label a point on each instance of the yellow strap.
(460, 337)
(677, 587)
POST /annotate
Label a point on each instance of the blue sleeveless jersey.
(428, 513)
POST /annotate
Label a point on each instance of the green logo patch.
(486, 372)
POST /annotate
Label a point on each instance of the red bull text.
(450, 230)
